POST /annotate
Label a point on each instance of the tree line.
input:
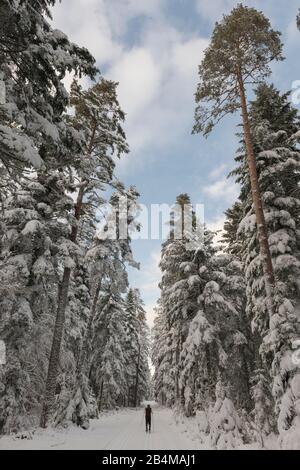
(228, 321)
(75, 332)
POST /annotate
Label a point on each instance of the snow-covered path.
(122, 430)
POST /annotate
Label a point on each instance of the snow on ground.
(190, 426)
(121, 430)
(125, 430)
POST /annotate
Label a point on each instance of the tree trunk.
(262, 233)
(55, 349)
(137, 377)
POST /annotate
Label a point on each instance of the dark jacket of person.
(148, 412)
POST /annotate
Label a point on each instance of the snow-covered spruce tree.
(98, 119)
(242, 46)
(160, 356)
(216, 346)
(77, 315)
(196, 386)
(233, 243)
(32, 245)
(225, 427)
(263, 411)
(138, 344)
(235, 332)
(179, 291)
(274, 124)
(34, 59)
(105, 261)
(199, 341)
(134, 345)
(109, 264)
(110, 369)
(289, 439)
(76, 393)
(119, 370)
(28, 273)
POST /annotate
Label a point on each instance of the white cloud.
(139, 80)
(214, 9)
(188, 55)
(86, 24)
(222, 189)
(120, 12)
(157, 75)
(164, 105)
(218, 171)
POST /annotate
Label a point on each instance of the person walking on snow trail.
(148, 416)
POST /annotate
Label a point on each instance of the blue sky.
(152, 48)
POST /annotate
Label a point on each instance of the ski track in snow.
(118, 431)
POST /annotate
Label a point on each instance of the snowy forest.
(224, 349)
(72, 326)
